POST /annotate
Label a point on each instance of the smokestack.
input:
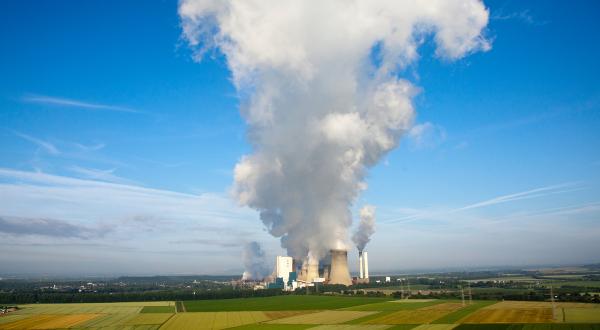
(360, 264)
(339, 268)
(366, 263)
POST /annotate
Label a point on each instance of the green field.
(299, 312)
(158, 309)
(278, 303)
(454, 317)
(395, 305)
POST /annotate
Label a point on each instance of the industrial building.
(290, 274)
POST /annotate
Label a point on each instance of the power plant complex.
(290, 274)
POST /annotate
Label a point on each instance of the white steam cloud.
(320, 91)
(255, 266)
(366, 227)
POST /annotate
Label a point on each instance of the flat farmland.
(539, 304)
(394, 306)
(325, 317)
(425, 314)
(308, 312)
(436, 327)
(66, 321)
(528, 327)
(350, 327)
(263, 326)
(213, 320)
(456, 316)
(12, 318)
(408, 317)
(521, 315)
(107, 321)
(586, 315)
(149, 319)
(48, 321)
(78, 309)
(279, 303)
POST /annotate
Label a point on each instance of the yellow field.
(409, 317)
(436, 327)
(47, 321)
(418, 316)
(107, 320)
(11, 318)
(91, 308)
(66, 321)
(350, 327)
(78, 309)
(149, 318)
(325, 317)
(281, 314)
(521, 315)
(28, 322)
(213, 320)
(576, 315)
(448, 307)
(538, 304)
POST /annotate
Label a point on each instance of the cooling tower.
(312, 270)
(339, 268)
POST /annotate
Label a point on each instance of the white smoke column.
(320, 91)
(366, 227)
(255, 266)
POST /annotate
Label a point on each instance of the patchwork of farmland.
(308, 312)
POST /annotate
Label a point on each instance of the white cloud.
(533, 193)
(320, 109)
(92, 147)
(426, 135)
(411, 214)
(50, 100)
(139, 222)
(45, 145)
(100, 175)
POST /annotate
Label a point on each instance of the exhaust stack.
(339, 268)
(365, 258)
(361, 273)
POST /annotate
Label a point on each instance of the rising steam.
(366, 227)
(255, 266)
(320, 89)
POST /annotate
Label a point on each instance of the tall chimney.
(339, 268)
(360, 264)
(366, 262)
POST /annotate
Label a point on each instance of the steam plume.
(255, 267)
(366, 227)
(320, 89)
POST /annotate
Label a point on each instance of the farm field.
(308, 312)
(292, 302)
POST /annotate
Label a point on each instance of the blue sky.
(111, 131)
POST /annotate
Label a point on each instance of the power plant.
(290, 274)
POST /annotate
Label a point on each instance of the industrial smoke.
(366, 227)
(322, 91)
(255, 265)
